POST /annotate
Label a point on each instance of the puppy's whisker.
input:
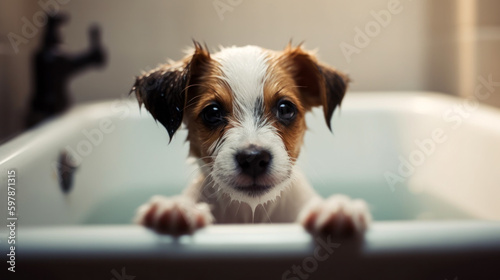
(216, 193)
(244, 110)
(202, 184)
(217, 144)
(200, 167)
(208, 157)
(206, 187)
(208, 178)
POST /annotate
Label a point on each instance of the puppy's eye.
(213, 115)
(286, 111)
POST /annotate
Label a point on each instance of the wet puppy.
(244, 109)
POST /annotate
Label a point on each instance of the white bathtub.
(437, 220)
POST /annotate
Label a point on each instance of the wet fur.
(247, 82)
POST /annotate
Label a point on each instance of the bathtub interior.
(372, 134)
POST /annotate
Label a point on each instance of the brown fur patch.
(281, 85)
(319, 84)
(207, 89)
(293, 74)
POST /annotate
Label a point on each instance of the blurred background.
(383, 44)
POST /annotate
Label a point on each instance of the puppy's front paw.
(337, 215)
(176, 215)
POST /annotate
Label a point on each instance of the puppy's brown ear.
(318, 84)
(163, 90)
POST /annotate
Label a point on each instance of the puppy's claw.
(338, 215)
(175, 216)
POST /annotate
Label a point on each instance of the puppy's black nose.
(253, 161)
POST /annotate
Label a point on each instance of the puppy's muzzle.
(253, 161)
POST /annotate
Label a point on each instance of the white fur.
(244, 70)
(291, 198)
(285, 206)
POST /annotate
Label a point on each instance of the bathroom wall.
(14, 68)
(488, 43)
(424, 45)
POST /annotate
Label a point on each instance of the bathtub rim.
(255, 240)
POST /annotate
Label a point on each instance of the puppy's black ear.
(163, 90)
(318, 84)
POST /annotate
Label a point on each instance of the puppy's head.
(244, 108)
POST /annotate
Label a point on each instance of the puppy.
(244, 109)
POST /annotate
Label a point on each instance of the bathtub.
(427, 164)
